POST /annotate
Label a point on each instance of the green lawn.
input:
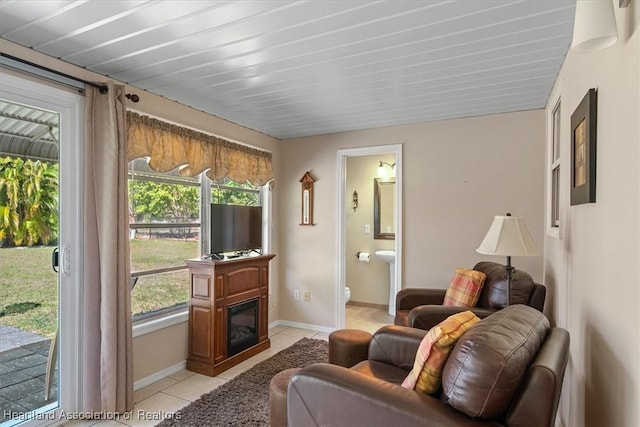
(29, 289)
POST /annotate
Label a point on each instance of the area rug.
(244, 400)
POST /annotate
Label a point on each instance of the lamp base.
(509, 270)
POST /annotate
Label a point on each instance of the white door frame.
(70, 106)
(341, 255)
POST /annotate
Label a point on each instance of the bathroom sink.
(388, 255)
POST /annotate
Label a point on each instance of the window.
(164, 231)
(555, 168)
(555, 202)
(168, 225)
(231, 193)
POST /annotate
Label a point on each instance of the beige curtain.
(169, 146)
(107, 373)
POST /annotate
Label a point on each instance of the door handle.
(55, 259)
(65, 260)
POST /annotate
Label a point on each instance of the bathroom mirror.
(384, 192)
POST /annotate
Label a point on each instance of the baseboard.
(274, 324)
(159, 375)
(290, 324)
(183, 365)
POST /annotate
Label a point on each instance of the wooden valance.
(169, 146)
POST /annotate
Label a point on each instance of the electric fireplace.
(242, 326)
(228, 312)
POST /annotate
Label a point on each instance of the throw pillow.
(433, 351)
(465, 287)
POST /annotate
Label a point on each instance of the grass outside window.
(29, 290)
(29, 287)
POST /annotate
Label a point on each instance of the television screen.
(235, 228)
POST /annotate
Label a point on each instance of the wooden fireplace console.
(216, 285)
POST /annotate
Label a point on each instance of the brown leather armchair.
(423, 309)
(506, 370)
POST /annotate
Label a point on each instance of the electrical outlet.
(296, 294)
(307, 295)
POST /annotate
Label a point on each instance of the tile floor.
(366, 318)
(178, 390)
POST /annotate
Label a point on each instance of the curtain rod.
(101, 87)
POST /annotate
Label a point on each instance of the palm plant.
(10, 172)
(28, 202)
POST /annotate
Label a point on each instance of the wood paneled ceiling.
(299, 68)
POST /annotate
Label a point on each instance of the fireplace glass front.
(242, 326)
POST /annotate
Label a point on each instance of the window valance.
(169, 146)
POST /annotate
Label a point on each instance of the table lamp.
(508, 236)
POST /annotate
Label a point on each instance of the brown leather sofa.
(506, 370)
(423, 309)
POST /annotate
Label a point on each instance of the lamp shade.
(508, 236)
(594, 26)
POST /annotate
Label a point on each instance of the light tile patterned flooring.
(178, 390)
(366, 318)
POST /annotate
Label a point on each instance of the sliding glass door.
(40, 250)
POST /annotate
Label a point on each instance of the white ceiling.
(299, 68)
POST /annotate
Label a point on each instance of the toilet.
(347, 294)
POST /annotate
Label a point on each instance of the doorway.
(41, 132)
(345, 202)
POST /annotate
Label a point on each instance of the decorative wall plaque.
(307, 199)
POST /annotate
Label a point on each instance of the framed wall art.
(583, 150)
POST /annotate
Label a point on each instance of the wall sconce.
(382, 171)
(355, 200)
(594, 26)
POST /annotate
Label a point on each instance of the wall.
(592, 269)
(369, 282)
(169, 342)
(159, 350)
(458, 174)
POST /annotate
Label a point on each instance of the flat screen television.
(235, 228)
